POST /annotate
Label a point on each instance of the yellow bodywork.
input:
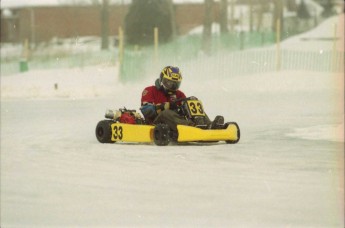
(122, 132)
(131, 132)
(189, 134)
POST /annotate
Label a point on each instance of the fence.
(138, 62)
(57, 53)
(229, 56)
(141, 63)
(58, 61)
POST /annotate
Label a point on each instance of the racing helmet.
(170, 78)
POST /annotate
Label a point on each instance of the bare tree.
(207, 32)
(263, 8)
(173, 19)
(278, 15)
(251, 17)
(105, 24)
(224, 16)
(328, 8)
(232, 15)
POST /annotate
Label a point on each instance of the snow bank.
(284, 82)
(322, 38)
(103, 81)
(77, 83)
(333, 133)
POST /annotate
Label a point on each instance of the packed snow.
(322, 38)
(286, 171)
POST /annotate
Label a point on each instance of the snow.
(286, 171)
(90, 82)
(320, 132)
(320, 38)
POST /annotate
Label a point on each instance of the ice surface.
(286, 171)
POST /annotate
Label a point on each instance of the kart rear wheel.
(161, 135)
(238, 133)
(103, 131)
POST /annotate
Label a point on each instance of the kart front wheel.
(161, 135)
(103, 131)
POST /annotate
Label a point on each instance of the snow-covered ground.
(324, 37)
(286, 171)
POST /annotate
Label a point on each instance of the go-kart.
(126, 125)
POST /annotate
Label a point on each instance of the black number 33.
(196, 109)
(118, 132)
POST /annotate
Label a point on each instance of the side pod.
(230, 133)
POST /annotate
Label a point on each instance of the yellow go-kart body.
(108, 131)
(115, 130)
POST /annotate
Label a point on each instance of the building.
(38, 23)
(42, 23)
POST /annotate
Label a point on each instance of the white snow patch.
(73, 83)
(326, 36)
(100, 81)
(320, 132)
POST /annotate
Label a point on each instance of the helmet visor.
(170, 84)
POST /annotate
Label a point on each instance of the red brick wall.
(63, 22)
(189, 16)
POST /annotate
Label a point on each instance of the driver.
(159, 102)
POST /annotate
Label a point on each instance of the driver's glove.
(165, 106)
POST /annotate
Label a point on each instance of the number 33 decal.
(196, 108)
(117, 132)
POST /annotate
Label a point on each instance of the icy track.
(286, 171)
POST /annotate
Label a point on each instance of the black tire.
(103, 131)
(161, 135)
(238, 133)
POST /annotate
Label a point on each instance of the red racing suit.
(151, 99)
(152, 95)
